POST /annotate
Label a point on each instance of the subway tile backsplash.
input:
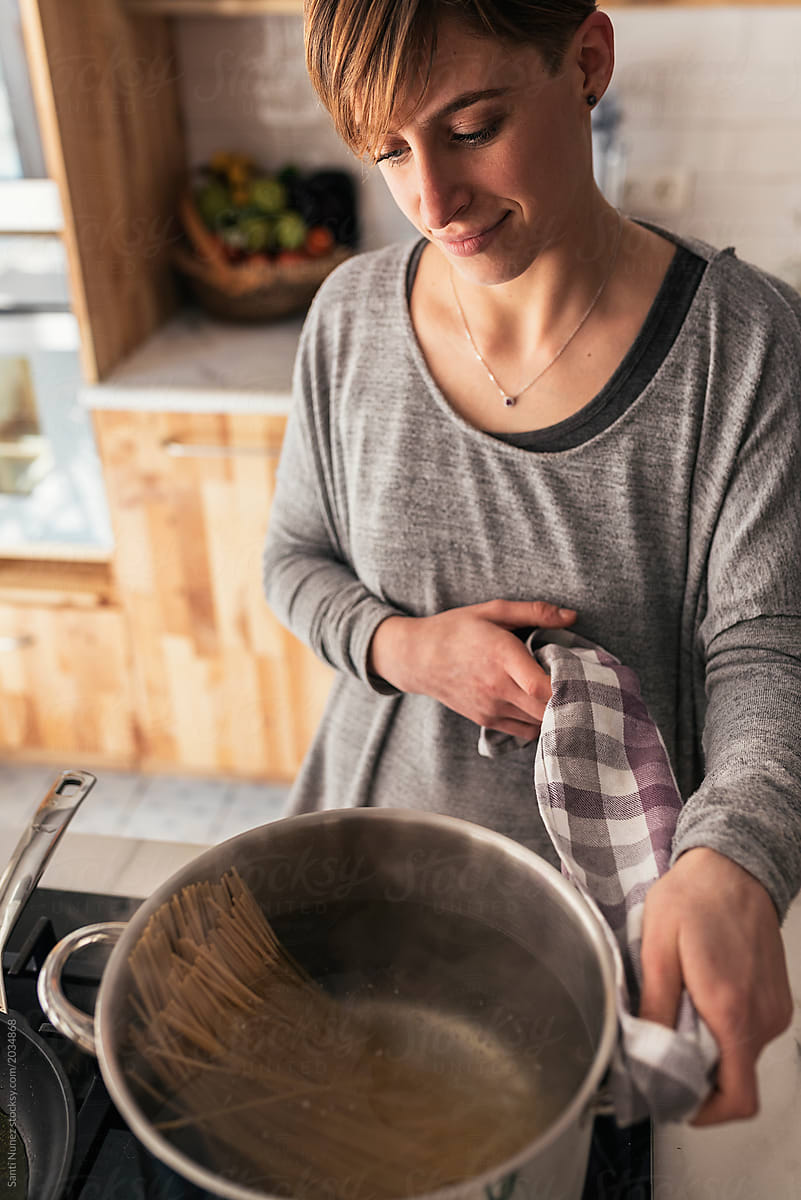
(717, 91)
(714, 91)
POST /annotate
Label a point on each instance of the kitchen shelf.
(194, 363)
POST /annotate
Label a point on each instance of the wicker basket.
(255, 289)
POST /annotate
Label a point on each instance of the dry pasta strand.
(221, 1009)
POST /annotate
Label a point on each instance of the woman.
(544, 413)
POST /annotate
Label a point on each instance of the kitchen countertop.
(751, 1160)
(194, 363)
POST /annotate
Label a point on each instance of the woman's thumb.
(526, 614)
(549, 616)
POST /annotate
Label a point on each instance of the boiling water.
(453, 992)
(488, 1027)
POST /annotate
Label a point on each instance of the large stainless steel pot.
(372, 864)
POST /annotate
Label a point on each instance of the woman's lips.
(474, 242)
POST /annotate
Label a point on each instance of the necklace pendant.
(510, 401)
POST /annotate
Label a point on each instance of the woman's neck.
(539, 307)
(519, 329)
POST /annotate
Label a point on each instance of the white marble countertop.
(115, 866)
(194, 363)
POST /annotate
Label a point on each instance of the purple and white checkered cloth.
(607, 795)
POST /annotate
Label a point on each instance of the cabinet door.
(64, 684)
(106, 83)
(221, 685)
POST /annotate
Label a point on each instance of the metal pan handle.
(35, 847)
(64, 1016)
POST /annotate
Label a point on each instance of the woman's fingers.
(736, 1094)
(528, 730)
(715, 923)
(504, 701)
(530, 688)
(469, 660)
(518, 614)
(662, 979)
(533, 682)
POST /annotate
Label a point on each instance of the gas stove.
(109, 1163)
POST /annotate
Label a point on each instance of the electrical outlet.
(661, 192)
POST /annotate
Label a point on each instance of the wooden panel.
(64, 687)
(106, 90)
(81, 584)
(221, 685)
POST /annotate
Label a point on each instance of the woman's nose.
(443, 192)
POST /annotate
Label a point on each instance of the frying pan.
(34, 1091)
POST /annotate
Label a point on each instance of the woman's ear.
(593, 52)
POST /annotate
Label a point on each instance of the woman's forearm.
(322, 602)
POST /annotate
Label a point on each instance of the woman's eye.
(389, 156)
(475, 137)
(478, 136)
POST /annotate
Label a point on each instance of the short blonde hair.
(363, 55)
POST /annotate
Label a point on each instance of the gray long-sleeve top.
(675, 533)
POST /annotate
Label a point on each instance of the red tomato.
(319, 241)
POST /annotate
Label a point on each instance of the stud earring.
(592, 99)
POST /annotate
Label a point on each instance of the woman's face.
(495, 163)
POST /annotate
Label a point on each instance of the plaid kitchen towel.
(607, 795)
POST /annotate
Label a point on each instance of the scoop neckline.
(695, 246)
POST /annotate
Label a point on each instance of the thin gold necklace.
(507, 397)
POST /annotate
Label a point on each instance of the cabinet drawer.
(64, 682)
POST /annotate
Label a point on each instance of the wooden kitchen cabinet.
(220, 685)
(215, 684)
(64, 670)
(106, 86)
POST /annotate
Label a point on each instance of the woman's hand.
(468, 659)
(711, 927)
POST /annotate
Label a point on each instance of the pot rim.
(218, 1185)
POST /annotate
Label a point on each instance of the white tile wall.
(716, 91)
